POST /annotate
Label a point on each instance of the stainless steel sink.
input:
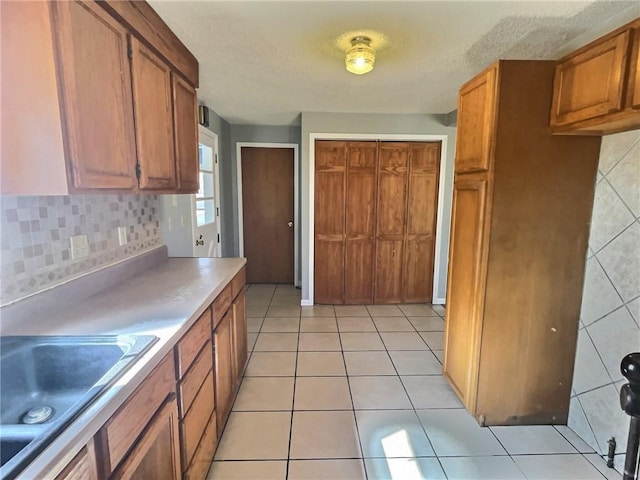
(47, 381)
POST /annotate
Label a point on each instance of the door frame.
(211, 140)
(381, 137)
(296, 198)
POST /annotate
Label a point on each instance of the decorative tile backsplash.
(35, 251)
(610, 317)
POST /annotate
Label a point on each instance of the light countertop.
(164, 300)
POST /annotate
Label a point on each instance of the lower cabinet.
(229, 344)
(156, 454)
(141, 439)
(82, 467)
(169, 427)
(223, 355)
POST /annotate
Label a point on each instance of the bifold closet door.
(360, 222)
(330, 160)
(422, 201)
(391, 216)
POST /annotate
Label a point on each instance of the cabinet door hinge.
(129, 51)
(138, 171)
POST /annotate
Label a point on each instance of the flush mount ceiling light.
(360, 57)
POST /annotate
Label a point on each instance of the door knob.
(290, 224)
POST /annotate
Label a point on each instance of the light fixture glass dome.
(360, 57)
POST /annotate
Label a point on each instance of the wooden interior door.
(152, 100)
(464, 283)
(360, 222)
(422, 203)
(267, 213)
(330, 170)
(95, 82)
(391, 217)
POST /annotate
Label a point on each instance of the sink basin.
(47, 381)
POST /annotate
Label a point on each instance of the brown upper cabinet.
(597, 87)
(112, 92)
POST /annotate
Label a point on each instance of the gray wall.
(381, 124)
(610, 316)
(247, 133)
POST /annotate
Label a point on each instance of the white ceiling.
(264, 62)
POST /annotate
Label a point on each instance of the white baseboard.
(306, 303)
(438, 301)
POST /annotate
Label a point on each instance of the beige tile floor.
(356, 392)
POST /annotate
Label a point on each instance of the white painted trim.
(382, 137)
(296, 199)
(212, 137)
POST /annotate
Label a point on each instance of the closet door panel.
(329, 271)
(421, 222)
(418, 270)
(360, 222)
(358, 277)
(389, 261)
(392, 188)
(330, 212)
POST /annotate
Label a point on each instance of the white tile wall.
(610, 316)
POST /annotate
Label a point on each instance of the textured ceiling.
(264, 62)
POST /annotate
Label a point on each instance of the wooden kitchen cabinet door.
(391, 214)
(185, 128)
(464, 290)
(422, 202)
(95, 92)
(157, 453)
(590, 83)
(153, 119)
(223, 358)
(476, 115)
(330, 198)
(240, 346)
(360, 222)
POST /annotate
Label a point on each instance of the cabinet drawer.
(194, 423)
(191, 343)
(238, 282)
(201, 461)
(190, 384)
(221, 304)
(121, 431)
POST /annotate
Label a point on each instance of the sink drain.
(37, 415)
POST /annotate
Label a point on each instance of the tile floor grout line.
(293, 399)
(353, 408)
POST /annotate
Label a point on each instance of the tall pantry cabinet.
(375, 205)
(522, 204)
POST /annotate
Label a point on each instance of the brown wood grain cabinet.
(229, 345)
(375, 214)
(152, 102)
(82, 467)
(520, 226)
(596, 87)
(92, 59)
(223, 358)
(156, 453)
(113, 113)
(195, 374)
(141, 439)
(185, 132)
